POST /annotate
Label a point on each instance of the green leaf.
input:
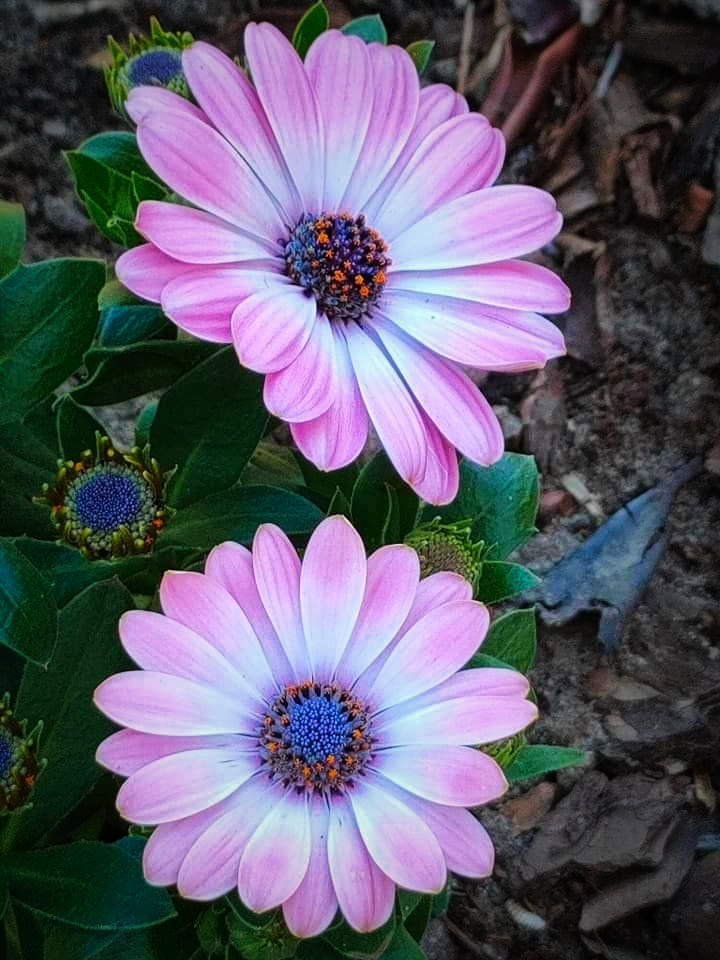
(370, 28)
(48, 317)
(483, 660)
(207, 426)
(24, 938)
(501, 500)
(512, 639)
(98, 886)
(360, 946)
(325, 483)
(273, 464)
(417, 921)
(144, 423)
(105, 170)
(384, 509)
(339, 504)
(122, 325)
(119, 151)
(67, 572)
(27, 610)
(236, 514)
(12, 236)
(26, 462)
(403, 947)
(537, 759)
(87, 651)
(76, 428)
(313, 22)
(119, 373)
(500, 580)
(421, 51)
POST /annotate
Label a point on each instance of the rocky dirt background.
(616, 109)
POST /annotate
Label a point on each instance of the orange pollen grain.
(323, 238)
(364, 292)
(339, 276)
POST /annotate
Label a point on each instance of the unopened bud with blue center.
(108, 504)
(448, 546)
(155, 61)
(19, 766)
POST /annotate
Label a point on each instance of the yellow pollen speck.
(358, 280)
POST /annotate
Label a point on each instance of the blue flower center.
(340, 261)
(316, 737)
(154, 68)
(6, 754)
(318, 728)
(107, 501)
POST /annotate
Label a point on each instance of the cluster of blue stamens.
(18, 764)
(159, 68)
(6, 754)
(106, 498)
(316, 737)
(340, 261)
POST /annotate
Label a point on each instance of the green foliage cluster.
(71, 339)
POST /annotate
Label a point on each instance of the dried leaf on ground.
(544, 414)
(605, 825)
(643, 889)
(611, 570)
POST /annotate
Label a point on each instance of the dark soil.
(636, 397)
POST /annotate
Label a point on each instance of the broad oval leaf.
(119, 373)
(12, 236)
(206, 427)
(236, 514)
(48, 317)
(313, 22)
(501, 500)
(97, 886)
(28, 615)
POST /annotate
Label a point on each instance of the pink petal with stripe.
(312, 907)
(202, 303)
(479, 227)
(232, 105)
(184, 783)
(231, 565)
(456, 776)
(271, 327)
(277, 855)
(332, 584)
(400, 843)
(365, 894)
(308, 385)
(337, 436)
(294, 120)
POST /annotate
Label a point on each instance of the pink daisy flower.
(340, 233)
(298, 730)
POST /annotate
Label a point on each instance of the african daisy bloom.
(340, 233)
(343, 238)
(299, 731)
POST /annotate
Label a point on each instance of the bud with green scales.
(108, 504)
(448, 546)
(19, 766)
(149, 61)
